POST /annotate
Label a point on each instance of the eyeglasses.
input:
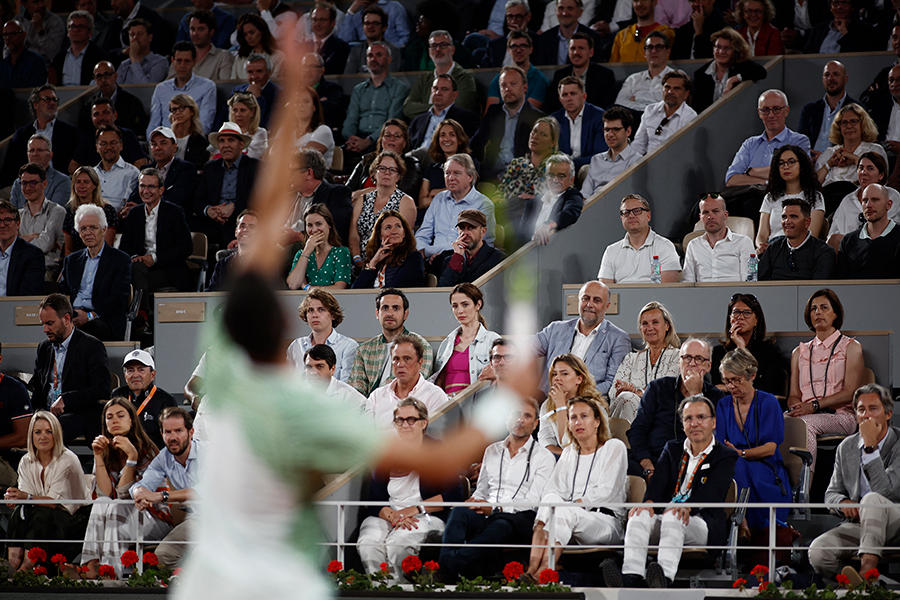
(775, 110)
(699, 419)
(723, 48)
(735, 313)
(51, 99)
(612, 129)
(147, 186)
(518, 46)
(849, 122)
(788, 162)
(654, 47)
(392, 136)
(557, 176)
(503, 357)
(77, 26)
(10, 34)
(103, 76)
(32, 183)
(694, 360)
(662, 124)
(176, 109)
(391, 170)
(7, 221)
(410, 421)
(439, 45)
(87, 228)
(753, 11)
(732, 381)
(627, 212)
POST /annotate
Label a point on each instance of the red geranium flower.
(84, 569)
(411, 563)
(871, 575)
(548, 576)
(150, 559)
(130, 558)
(37, 555)
(739, 584)
(431, 565)
(842, 579)
(763, 586)
(385, 568)
(40, 570)
(106, 572)
(335, 566)
(512, 571)
(58, 559)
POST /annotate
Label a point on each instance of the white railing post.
(340, 532)
(551, 535)
(773, 529)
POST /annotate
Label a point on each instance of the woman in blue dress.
(751, 422)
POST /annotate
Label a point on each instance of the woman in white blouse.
(311, 131)
(592, 471)
(569, 377)
(48, 472)
(659, 358)
(243, 110)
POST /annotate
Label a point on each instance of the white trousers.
(666, 530)
(109, 525)
(574, 524)
(379, 543)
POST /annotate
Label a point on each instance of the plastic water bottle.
(654, 270)
(753, 268)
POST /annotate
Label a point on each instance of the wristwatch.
(165, 496)
(815, 404)
(870, 449)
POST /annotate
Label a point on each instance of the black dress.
(772, 374)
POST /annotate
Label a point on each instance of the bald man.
(872, 251)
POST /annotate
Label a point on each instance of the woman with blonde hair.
(658, 358)
(86, 190)
(569, 377)
(391, 256)
(243, 110)
(592, 471)
(525, 176)
(730, 65)
(50, 472)
(184, 116)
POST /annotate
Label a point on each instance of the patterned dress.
(368, 216)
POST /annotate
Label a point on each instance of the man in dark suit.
(577, 112)
(564, 201)
(158, 260)
(552, 45)
(245, 231)
(21, 263)
(80, 28)
(259, 70)
(100, 296)
(44, 106)
(490, 144)
(471, 256)
(443, 98)
(225, 186)
(103, 112)
(333, 50)
(180, 178)
(117, 35)
(692, 40)
(834, 79)
(712, 464)
(308, 181)
(883, 109)
(599, 82)
(130, 113)
(331, 94)
(71, 372)
(846, 32)
(878, 89)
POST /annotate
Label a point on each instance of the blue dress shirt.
(201, 89)
(438, 230)
(757, 151)
(85, 298)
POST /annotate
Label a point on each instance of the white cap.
(141, 356)
(166, 131)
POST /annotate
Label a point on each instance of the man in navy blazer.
(100, 299)
(834, 79)
(599, 82)
(259, 72)
(577, 112)
(89, 52)
(74, 392)
(180, 178)
(443, 98)
(706, 468)
(25, 268)
(591, 337)
(160, 261)
(564, 201)
(547, 50)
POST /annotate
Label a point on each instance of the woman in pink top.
(825, 372)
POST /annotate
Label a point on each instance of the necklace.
(655, 367)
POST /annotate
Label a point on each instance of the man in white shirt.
(645, 87)
(663, 119)
(117, 178)
(719, 254)
(407, 356)
(513, 470)
(629, 260)
(320, 363)
(608, 165)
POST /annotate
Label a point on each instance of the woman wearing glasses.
(86, 190)
(525, 177)
(243, 110)
(184, 115)
(755, 17)
(745, 327)
(393, 532)
(825, 372)
(853, 132)
(386, 170)
(730, 65)
(391, 257)
(751, 422)
(791, 175)
(394, 137)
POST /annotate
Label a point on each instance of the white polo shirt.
(625, 264)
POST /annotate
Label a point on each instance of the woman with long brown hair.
(311, 130)
(449, 138)
(391, 256)
(254, 37)
(324, 261)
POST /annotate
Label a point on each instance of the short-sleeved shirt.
(625, 264)
(14, 403)
(773, 209)
(335, 268)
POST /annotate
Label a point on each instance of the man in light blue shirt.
(59, 186)
(178, 463)
(351, 29)
(438, 230)
(117, 178)
(202, 90)
(141, 66)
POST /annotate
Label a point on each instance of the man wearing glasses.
(20, 67)
(130, 112)
(493, 50)
(441, 50)
(608, 165)
(117, 177)
(74, 65)
(643, 88)
(630, 43)
(59, 186)
(557, 208)
(663, 119)
(628, 260)
(444, 93)
(398, 29)
(519, 48)
(44, 106)
(657, 420)
(41, 221)
(96, 279)
(21, 263)
(694, 469)
(375, 23)
(407, 356)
